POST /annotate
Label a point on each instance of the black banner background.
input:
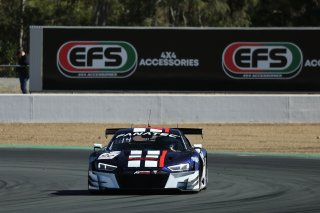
(206, 45)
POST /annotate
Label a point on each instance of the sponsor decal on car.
(109, 155)
(164, 134)
(97, 59)
(142, 172)
(262, 60)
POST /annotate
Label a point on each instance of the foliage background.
(17, 15)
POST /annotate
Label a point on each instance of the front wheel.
(204, 178)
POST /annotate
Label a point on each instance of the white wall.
(166, 108)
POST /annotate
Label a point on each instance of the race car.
(148, 158)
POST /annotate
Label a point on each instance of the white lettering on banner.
(312, 63)
(169, 59)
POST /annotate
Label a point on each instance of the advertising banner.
(181, 59)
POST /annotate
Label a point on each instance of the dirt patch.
(282, 138)
(9, 85)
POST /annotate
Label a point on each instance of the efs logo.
(262, 60)
(97, 59)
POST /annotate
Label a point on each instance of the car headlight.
(106, 167)
(179, 167)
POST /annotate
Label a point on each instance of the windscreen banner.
(181, 59)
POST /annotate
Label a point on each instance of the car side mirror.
(197, 147)
(97, 146)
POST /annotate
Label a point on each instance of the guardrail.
(166, 108)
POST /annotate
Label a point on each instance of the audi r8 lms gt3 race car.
(148, 158)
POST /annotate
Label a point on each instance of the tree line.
(17, 15)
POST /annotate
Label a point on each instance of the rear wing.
(185, 131)
(111, 131)
(191, 131)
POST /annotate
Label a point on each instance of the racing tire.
(206, 177)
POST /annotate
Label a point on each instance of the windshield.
(147, 140)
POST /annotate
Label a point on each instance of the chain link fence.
(9, 81)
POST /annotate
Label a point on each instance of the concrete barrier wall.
(166, 108)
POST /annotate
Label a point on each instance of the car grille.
(142, 181)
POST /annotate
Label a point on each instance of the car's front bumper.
(181, 180)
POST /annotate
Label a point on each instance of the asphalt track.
(55, 180)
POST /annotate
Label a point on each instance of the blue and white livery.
(149, 158)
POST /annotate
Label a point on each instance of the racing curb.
(241, 154)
